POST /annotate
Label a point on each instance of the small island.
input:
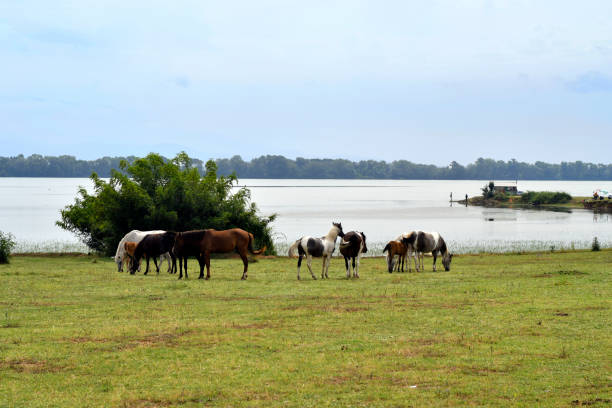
(509, 197)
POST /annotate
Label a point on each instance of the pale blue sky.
(428, 81)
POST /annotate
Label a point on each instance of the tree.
(153, 193)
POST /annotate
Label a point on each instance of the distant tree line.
(280, 167)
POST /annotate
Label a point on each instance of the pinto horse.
(353, 244)
(202, 243)
(136, 236)
(432, 242)
(318, 247)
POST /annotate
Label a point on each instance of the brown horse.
(202, 243)
(395, 248)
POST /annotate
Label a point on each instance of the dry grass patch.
(30, 366)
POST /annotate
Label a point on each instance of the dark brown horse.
(152, 246)
(353, 244)
(202, 243)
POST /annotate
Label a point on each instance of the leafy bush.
(545, 197)
(501, 197)
(152, 193)
(595, 246)
(7, 243)
(488, 191)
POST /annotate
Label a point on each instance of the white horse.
(136, 236)
(318, 247)
(434, 243)
(409, 241)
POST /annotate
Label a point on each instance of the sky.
(426, 81)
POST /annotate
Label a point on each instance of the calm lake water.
(382, 209)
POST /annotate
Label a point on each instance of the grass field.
(497, 330)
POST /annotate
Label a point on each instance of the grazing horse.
(409, 241)
(353, 244)
(318, 247)
(202, 243)
(136, 236)
(395, 248)
(432, 242)
(152, 246)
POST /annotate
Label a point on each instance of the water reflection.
(601, 217)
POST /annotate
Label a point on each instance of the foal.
(318, 247)
(395, 248)
(353, 244)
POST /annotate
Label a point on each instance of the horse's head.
(134, 265)
(390, 262)
(446, 260)
(365, 247)
(338, 226)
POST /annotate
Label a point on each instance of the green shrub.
(545, 197)
(152, 193)
(7, 243)
(488, 191)
(501, 197)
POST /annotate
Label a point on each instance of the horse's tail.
(259, 251)
(293, 248)
(387, 248)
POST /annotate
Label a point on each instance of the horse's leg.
(245, 261)
(147, 270)
(409, 253)
(435, 257)
(156, 265)
(346, 264)
(309, 264)
(207, 263)
(299, 265)
(356, 270)
(180, 261)
(323, 270)
(202, 261)
(327, 266)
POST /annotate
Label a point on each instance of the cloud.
(592, 81)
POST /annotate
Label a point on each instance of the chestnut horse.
(202, 243)
(395, 248)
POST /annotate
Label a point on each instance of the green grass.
(498, 330)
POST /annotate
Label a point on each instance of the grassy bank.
(498, 330)
(518, 202)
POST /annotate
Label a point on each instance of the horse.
(137, 236)
(395, 248)
(408, 239)
(432, 242)
(202, 243)
(318, 247)
(353, 244)
(152, 246)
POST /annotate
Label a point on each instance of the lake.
(382, 209)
